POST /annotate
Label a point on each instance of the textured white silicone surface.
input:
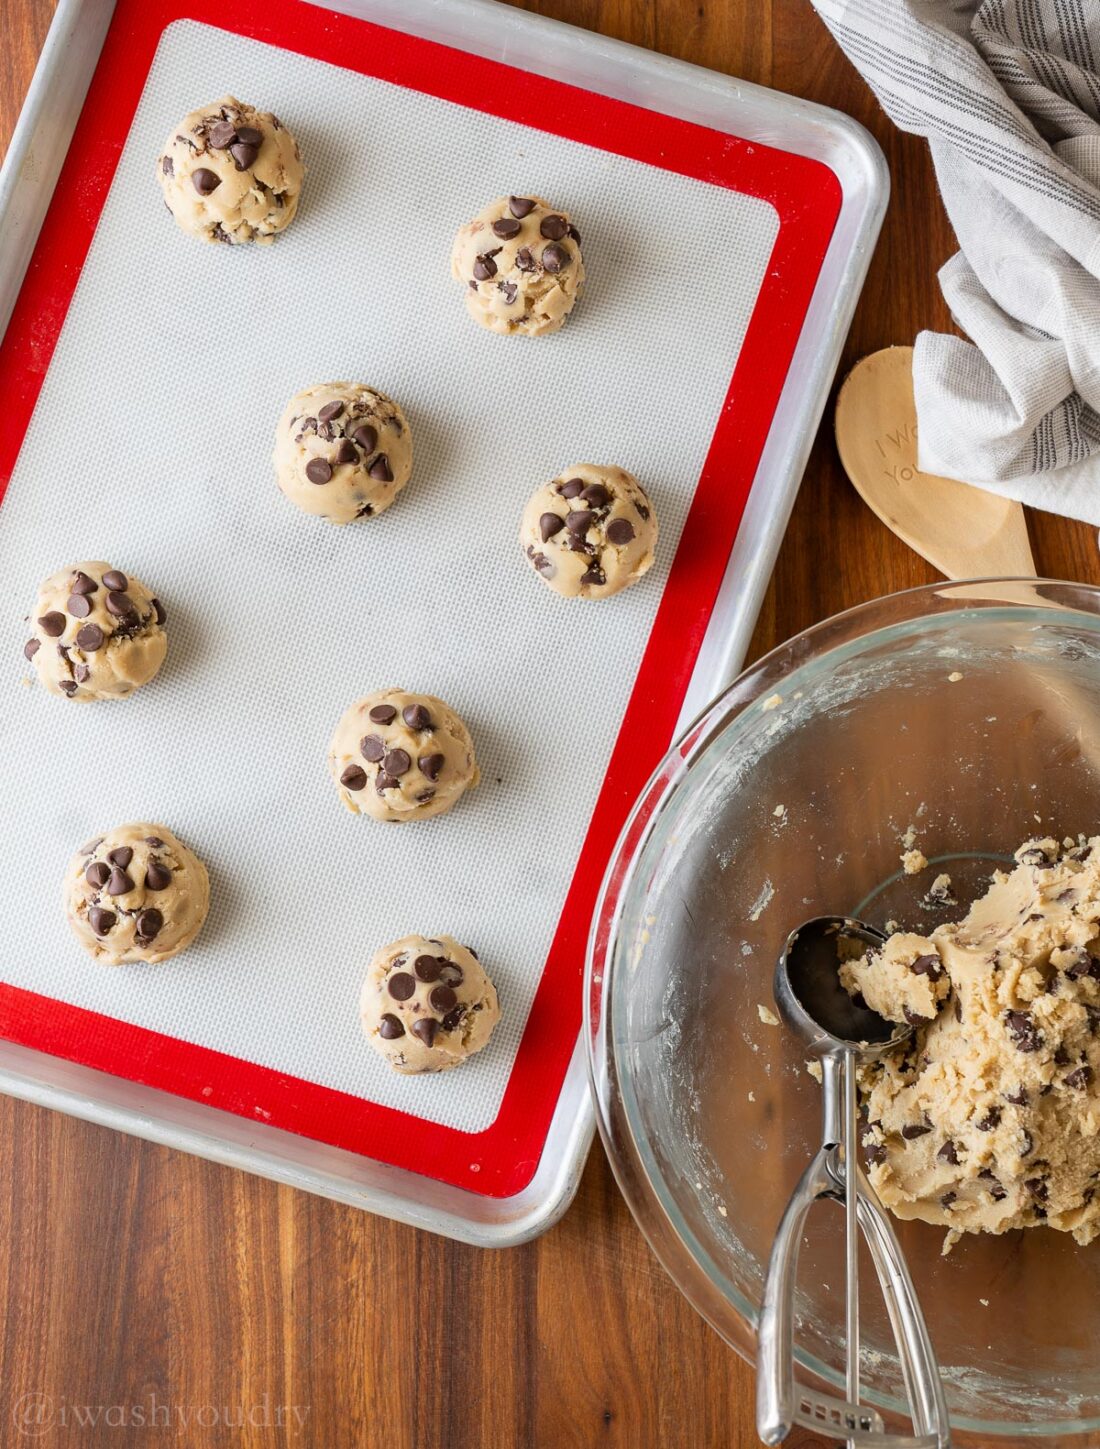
(150, 446)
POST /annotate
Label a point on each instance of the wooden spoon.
(965, 532)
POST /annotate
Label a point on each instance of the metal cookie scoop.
(843, 1034)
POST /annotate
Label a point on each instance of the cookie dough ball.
(401, 756)
(520, 262)
(136, 894)
(231, 173)
(342, 451)
(591, 532)
(427, 1004)
(98, 633)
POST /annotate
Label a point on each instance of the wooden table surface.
(129, 1271)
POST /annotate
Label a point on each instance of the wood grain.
(129, 1271)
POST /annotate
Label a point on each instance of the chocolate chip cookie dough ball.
(98, 633)
(231, 173)
(136, 894)
(427, 1004)
(520, 262)
(401, 756)
(342, 451)
(591, 532)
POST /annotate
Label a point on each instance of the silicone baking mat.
(148, 372)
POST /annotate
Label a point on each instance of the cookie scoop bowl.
(964, 711)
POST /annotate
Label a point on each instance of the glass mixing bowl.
(962, 718)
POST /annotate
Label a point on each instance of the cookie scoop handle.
(780, 1402)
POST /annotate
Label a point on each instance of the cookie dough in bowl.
(342, 451)
(990, 1117)
(401, 756)
(520, 262)
(136, 893)
(591, 532)
(427, 1004)
(231, 173)
(98, 633)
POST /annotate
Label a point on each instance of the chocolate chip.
(948, 1198)
(221, 135)
(380, 469)
(949, 1153)
(119, 883)
(205, 181)
(442, 999)
(401, 986)
(572, 488)
(575, 234)
(384, 782)
(120, 605)
(331, 410)
(100, 920)
(594, 575)
(957, 1006)
(155, 841)
(427, 968)
(383, 714)
(914, 1018)
(990, 1120)
(431, 765)
(372, 748)
(451, 974)
(1079, 1078)
(553, 228)
(521, 206)
(1023, 1031)
(549, 524)
(424, 796)
(319, 470)
(596, 495)
(31, 648)
(914, 1130)
(452, 1019)
(68, 687)
(243, 155)
(578, 521)
(875, 1152)
(160, 612)
(1038, 1187)
(397, 763)
(525, 261)
(115, 579)
(347, 452)
(251, 135)
(90, 638)
(620, 532)
(1083, 965)
(1061, 1057)
(425, 1029)
(158, 877)
(509, 291)
(554, 257)
(506, 228)
(390, 1028)
(148, 924)
(52, 624)
(121, 856)
(543, 564)
(416, 717)
(353, 778)
(83, 584)
(484, 268)
(97, 875)
(366, 437)
(1018, 1098)
(166, 166)
(997, 1192)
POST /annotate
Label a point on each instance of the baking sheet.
(150, 445)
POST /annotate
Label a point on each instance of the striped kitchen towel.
(1008, 94)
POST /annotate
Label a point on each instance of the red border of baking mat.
(501, 1160)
